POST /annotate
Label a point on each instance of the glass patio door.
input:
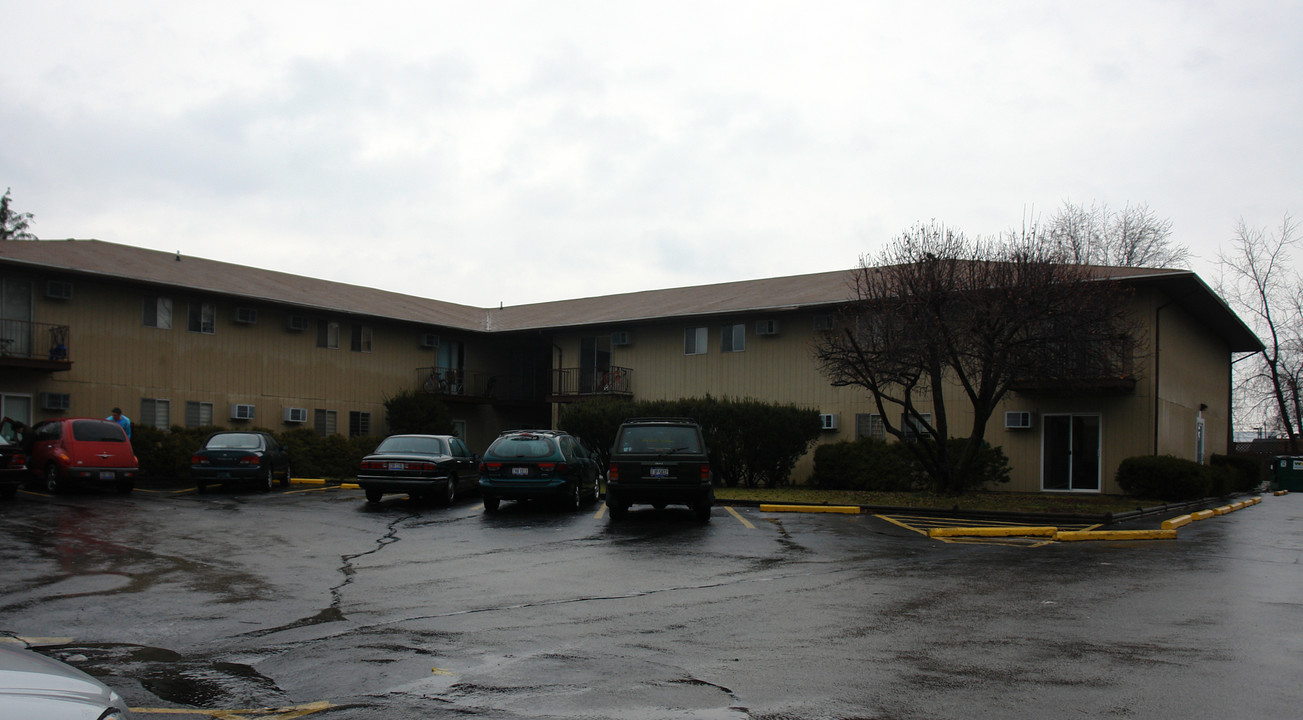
(1070, 449)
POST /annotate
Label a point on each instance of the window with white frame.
(359, 424)
(155, 413)
(327, 334)
(202, 318)
(870, 426)
(198, 414)
(914, 427)
(324, 422)
(694, 341)
(361, 340)
(157, 312)
(733, 338)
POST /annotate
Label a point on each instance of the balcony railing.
(578, 382)
(35, 345)
(461, 383)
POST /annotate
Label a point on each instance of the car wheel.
(285, 481)
(9, 492)
(659, 506)
(617, 510)
(450, 494)
(268, 480)
(53, 484)
(201, 488)
(491, 504)
(373, 496)
(576, 499)
(702, 509)
(125, 488)
(595, 495)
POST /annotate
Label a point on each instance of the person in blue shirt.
(122, 420)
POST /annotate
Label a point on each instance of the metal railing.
(572, 382)
(459, 382)
(24, 340)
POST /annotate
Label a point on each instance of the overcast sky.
(514, 152)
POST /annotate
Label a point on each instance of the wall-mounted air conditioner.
(766, 327)
(58, 289)
(429, 340)
(296, 415)
(246, 315)
(241, 412)
(828, 421)
(56, 401)
(1018, 420)
(621, 338)
(296, 323)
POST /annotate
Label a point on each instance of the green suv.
(659, 462)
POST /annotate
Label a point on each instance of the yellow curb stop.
(1073, 535)
(992, 532)
(844, 509)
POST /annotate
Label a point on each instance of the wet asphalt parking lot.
(307, 602)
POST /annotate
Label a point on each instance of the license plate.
(397, 466)
(520, 471)
(107, 475)
(660, 472)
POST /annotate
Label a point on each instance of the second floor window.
(327, 334)
(733, 338)
(203, 318)
(361, 341)
(158, 313)
(694, 341)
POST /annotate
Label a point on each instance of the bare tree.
(1131, 237)
(1259, 280)
(13, 226)
(936, 310)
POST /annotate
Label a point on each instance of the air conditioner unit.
(296, 415)
(430, 340)
(296, 323)
(828, 421)
(55, 401)
(58, 289)
(766, 327)
(241, 412)
(621, 338)
(823, 322)
(1018, 420)
(246, 315)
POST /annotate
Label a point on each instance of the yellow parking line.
(894, 521)
(282, 713)
(740, 519)
(601, 511)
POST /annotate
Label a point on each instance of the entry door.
(1070, 452)
(15, 316)
(594, 363)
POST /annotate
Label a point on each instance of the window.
(733, 338)
(694, 341)
(327, 334)
(323, 421)
(155, 413)
(359, 424)
(361, 341)
(198, 414)
(869, 426)
(203, 318)
(913, 428)
(158, 313)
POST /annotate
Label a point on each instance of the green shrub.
(1235, 474)
(166, 454)
(880, 466)
(1164, 477)
(418, 413)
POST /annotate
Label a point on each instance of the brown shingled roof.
(104, 259)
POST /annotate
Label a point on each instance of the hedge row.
(752, 443)
(166, 454)
(880, 466)
(1173, 479)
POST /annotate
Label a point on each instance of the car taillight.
(17, 460)
(552, 467)
(705, 472)
(250, 460)
(490, 467)
(613, 473)
(199, 460)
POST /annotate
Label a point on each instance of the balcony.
(40, 346)
(574, 383)
(460, 384)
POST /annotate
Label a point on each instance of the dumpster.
(1287, 473)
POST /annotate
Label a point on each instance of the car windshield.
(413, 446)
(659, 439)
(521, 446)
(235, 441)
(97, 431)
